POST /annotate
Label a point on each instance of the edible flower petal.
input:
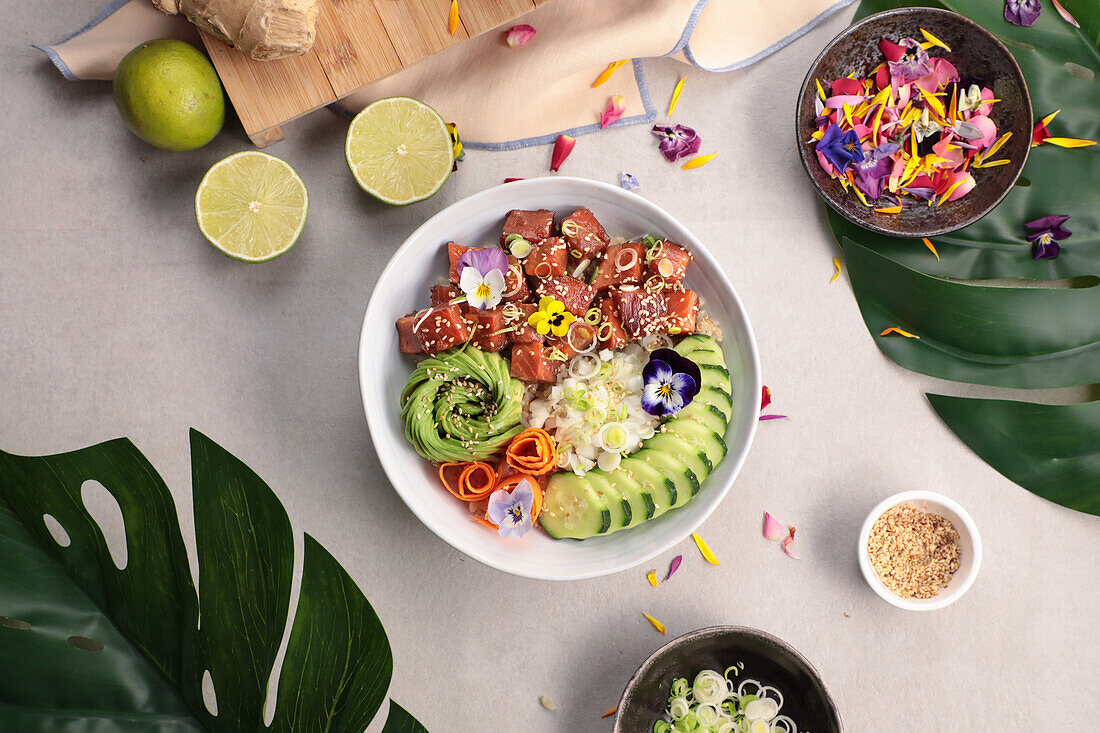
(1022, 12)
(934, 41)
(674, 566)
(657, 625)
(840, 148)
(551, 318)
(774, 417)
(836, 264)
(912, 64)
(872, 172)
(456, 144)
(930, 246)
(773, 530)
(612, 711)
(563, 146)
(452, 19)
(519, 35)
(606, 73)
(670, 382)
(787, 543)
(651, 576)
(675, 96)
(677, 141)
(898, 331)
(704, 549)
(765, 397)
(511, 510)
(615, 108)
(699, 161)
(1065, 14)
(1045, 234)
(628, 182)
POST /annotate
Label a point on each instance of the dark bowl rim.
(803, 148)
(721, 630)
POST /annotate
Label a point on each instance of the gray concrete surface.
(116, 318)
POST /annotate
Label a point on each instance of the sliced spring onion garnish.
(712, 703)
(626, 259)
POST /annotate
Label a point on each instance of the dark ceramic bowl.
(978, 56)
(766, 658)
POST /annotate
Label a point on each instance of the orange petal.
(606, 73)
(900, 332)
(699, 160)
(452, 21)
(929, 245)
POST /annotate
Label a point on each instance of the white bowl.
(970, 550)
(383, 372)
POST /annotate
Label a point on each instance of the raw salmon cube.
(683, 310)
(622, 264)
(407, 340)
(445, 294)
(531, 365)
(642, 312)
(525, 333)
(454, 251)
(610, 331)
(443, 328)
(670, 261)
(584, 235)
(553, 252)
(577, 340)
(576, 294)
(489, 334)
(534, 226)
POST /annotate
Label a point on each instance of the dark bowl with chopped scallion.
(743, 653)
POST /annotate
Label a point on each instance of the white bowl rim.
(943, 599)
(699, 251)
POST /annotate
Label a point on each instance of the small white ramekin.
(970, 549)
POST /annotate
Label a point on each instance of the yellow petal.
(606, 73)
(933, 40)
(675, 96)
(997, 145)
(820, 91)
(929, 245)
(698, 161)
(656, 624)
(900, 332)
(1069, 142)
(652, 578)
(836, 264)
(1046, 120)
(933, 103)
(452, 21)
(705, 549)
(896, 209)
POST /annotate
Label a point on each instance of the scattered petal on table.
(563, 146)
(704, 548)
(519, 35)
(674, 565)
(836, 264)
(676, 96)
(657, 625)
(773, 530)
(628, 182)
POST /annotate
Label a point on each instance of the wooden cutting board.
(358, 41)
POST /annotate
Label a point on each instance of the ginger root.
(263, 29)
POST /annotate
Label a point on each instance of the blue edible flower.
(840, 148)
(670, 382)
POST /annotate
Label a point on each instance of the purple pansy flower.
(840, 148)
(677, 141)
(511, 510)
(1045, 234)
(1022, 12)
(913, 63)
(481, 276)
(670, 382)
(874, 169)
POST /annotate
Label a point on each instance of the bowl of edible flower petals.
(914, 122)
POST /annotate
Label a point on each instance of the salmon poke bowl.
(559, 379)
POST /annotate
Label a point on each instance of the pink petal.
(840, 100)
(563, 146)
(765, 397)
(825, 164)
(964, 188)
(985, 109)
(844, 85)
(787, 546)
(988, 128)
(892, 51)
(615, 108)
(944, 69)
(773, 530)
(930, 82)
(519, 35)
(1065, 14)
(774, 417)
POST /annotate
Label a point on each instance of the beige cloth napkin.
(503, 98)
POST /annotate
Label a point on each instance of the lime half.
(252, 206)
(399, 150)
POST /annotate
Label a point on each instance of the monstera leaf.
(1004, 334)
(87, 645)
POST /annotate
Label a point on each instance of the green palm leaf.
(1053, 450)
(136, 654)
(1023, 337)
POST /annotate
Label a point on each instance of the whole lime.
(169, 95)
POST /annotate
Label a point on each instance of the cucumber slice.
(718, 398)
(704, 414)
(571, 508)
(621, 512)
(695, 342)
(701, 437)
(641, 499)
(662, 489)
(685, 453)
(669, 465)
(707, 356)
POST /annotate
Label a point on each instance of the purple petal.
(652, 401)
(483, 260)
(1047, 222)
(674, 565)
(677, 141)
(499, 503)
(1022, 12)
(523, 496)
(1046, 250)
(774, 417)
(686, 387)
(657, 370)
